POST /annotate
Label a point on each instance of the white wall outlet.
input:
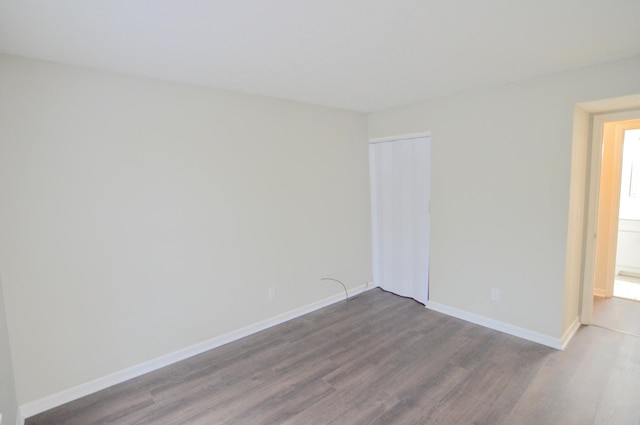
(495, 294)
(0, 418)
(271, 293)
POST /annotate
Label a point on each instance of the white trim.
(38, 406)
(398, 138)
(570, 332)
(496, 325)
(375, 269)
(591, 226)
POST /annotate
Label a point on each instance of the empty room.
(320, 212)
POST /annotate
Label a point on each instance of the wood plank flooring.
(380, 359)
(617, 313)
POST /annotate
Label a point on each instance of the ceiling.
(362, 55)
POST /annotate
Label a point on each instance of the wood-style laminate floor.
(617, 313)
(380, 359)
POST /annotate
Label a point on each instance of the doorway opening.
(617, 241)
(585, 208)
(617, 250)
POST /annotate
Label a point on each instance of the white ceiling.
(363, 55)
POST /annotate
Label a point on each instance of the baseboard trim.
(496, 325)
(38, 406)
(599, 292)
(567, 336)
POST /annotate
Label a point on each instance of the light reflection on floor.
(627, 287)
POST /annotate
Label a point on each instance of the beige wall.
(139, 217)
(500, 192)
(8, 403)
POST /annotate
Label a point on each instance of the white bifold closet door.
(400, 194)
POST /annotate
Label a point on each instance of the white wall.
(139, 217)
(8, 403)
(500, 192)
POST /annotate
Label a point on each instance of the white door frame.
(401, 137)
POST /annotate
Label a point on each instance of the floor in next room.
(615, 313)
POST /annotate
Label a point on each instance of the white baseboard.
(628, 271)
(496, 325)
(38, 406)
(570, 332)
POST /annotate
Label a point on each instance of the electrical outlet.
(0, 418)
(495, 294)
(271, 293)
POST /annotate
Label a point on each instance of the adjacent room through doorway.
(616, 301)
(627, 269)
